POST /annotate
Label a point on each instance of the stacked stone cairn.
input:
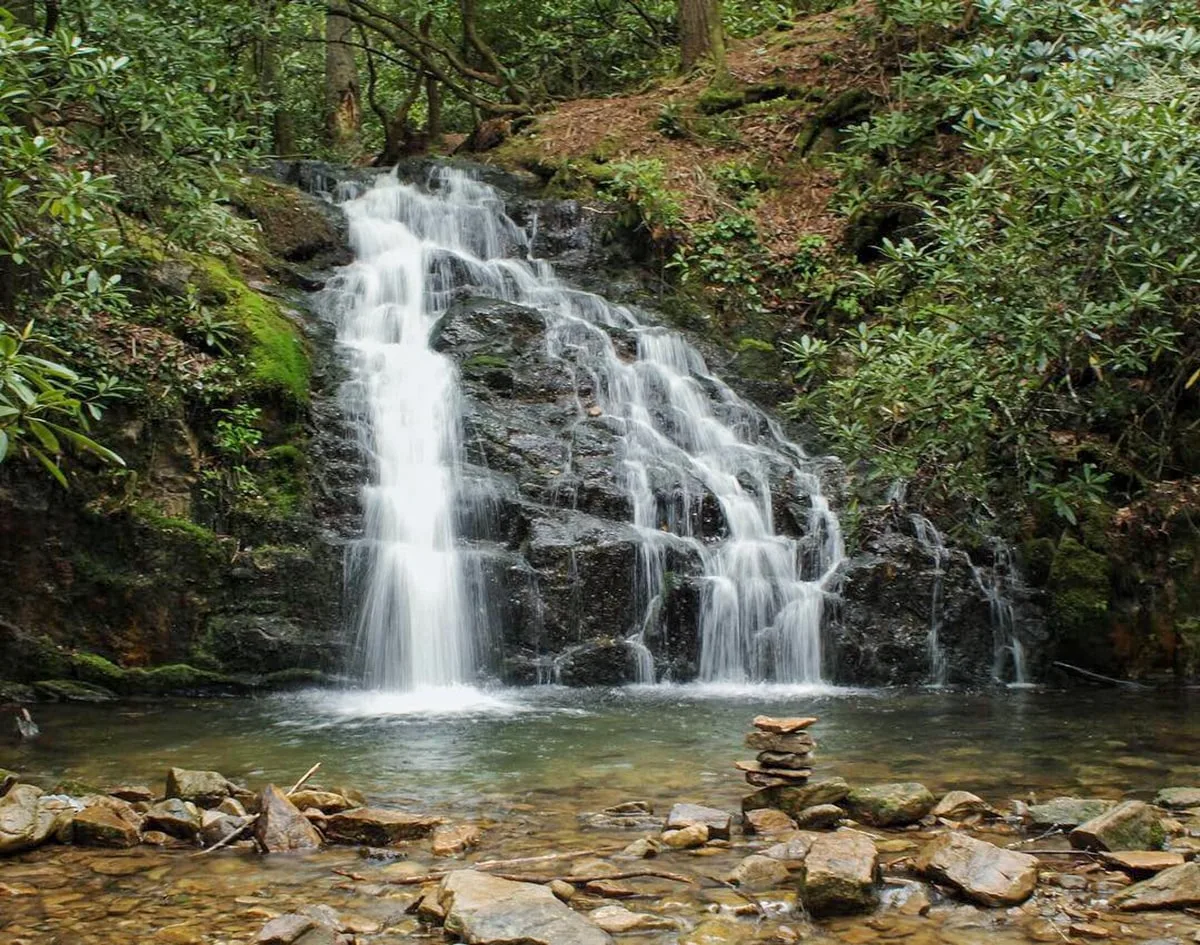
(785, 750)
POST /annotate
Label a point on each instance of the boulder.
(284, 929)
(1133, 825)
(959, 804)
(375, 827)
(792, 799)
(819, 817)
(767, 820)
(327, 802)
(758, 872)
(890, 805)
(176, 817)
(1068, 811)
(202, 788)
(981, 871)
(280, 827)
(22, 822)
(840, 873)
(1174, 888)
(482, 909)
(103, 826)
(689, 815)
(1178, 798)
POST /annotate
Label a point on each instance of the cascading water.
(687, 439)
(930, 539)
(1000, 584)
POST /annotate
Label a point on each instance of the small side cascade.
(932, 542)
(1000, 585)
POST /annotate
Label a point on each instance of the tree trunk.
(700, 34)
(270, 83)
(343, 115)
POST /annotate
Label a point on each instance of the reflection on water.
(469, 746)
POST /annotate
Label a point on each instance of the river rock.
(375, 827)
(790, 761)
(959, 804)
(449, 840)
(280, 827)
(325, 801)
(794, 849)
(1068, 811)
(103, 826)
(840, 872)
(686, 838)
(618, 919)
(819, 817)
(284, 929)
(216, 825)
(483, 909)
(1133, 825)
(231, 806)
(793, 799)
(981, 871)
(688, 815)
(133, 793)
(1174, 888)
(758, 872)
(202, 788)
(22, 825)
(1143, 862)
(890, 805)
(176, 817)
(644, 848)
(1178, 798)
(766, 723)
(767, 820)
(799, 742)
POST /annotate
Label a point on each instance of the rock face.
(373, 827)
(1175, 888)
(1132, 825)
(981, 871)
(280, 827)
(840, 873)
(890, 805)
(483, 909)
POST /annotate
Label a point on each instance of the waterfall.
(686, 439)
(999, 585)
(929, 538)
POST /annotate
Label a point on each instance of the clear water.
(685, 436)
(591, 747)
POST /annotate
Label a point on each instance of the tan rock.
(325, 801)
(618, 919)
(686, 838)
(959, 804)
(1143, 862)
(481, 909)
(280, 827)
(283, 930)
(758, 872)
(687, 815)
(840, 873)
(102, 826)
(785, 726)
(375, 827)
(981, 871)
(799, 742)
(1174, 888)
(763, 775)
(563, 890)
(767, 821)
(452, 839)
(1090, 930)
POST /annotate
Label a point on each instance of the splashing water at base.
(685, 437)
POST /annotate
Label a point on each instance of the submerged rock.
(840, 873)
(284, 929)
(487, 910)
(890, 805)
(1132, 825)
(794, 849)
(758, 872)
(1068, 811)
(618, 919)
(449, 840)
(1174, 888)
(1178, 798)
(375, 827)
(981, 871)
(280, 827)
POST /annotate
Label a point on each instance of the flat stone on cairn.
(784, 752)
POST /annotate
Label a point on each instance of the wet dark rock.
(819, 817)
(598, 663)
(794, 799)
(890, 805)
(69, 690)
(133, 793)
(371, 826)
(174, 817)
(216, 826)
(280, 827)
(981, 871)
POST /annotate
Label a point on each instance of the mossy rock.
(275, 347)
(295, 678)
(18, 693)
(758, 360)
(71, 690)
(90, 668)
(295, 226)
(1080, 583)
(178, 678)
(26, 656)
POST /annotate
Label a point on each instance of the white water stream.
(685, 436)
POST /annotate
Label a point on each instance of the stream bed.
(525, 763)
